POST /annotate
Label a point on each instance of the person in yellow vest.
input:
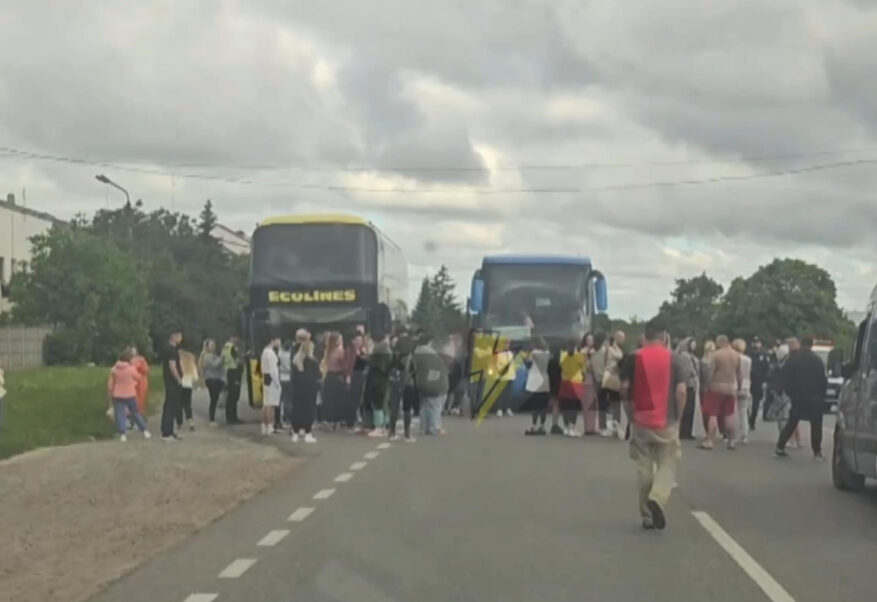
(505, 371)
(572, 387)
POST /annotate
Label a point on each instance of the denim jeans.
(130, 404)
(431, 414)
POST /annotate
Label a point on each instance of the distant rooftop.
(10, 204)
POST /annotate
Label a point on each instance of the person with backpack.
(431, 381)
(377, 380)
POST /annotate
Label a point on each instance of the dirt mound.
(75, 518)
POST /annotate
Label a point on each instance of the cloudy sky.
(641, 133)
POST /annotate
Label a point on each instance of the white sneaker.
(395, 438)
(410, 440)
(264, 428)
(377, 433)
(509, 413)
(574, 433)
(499, 413)
(309, 438)
(745, 440)
(123, 438)
(147, 435)
(295, 437)
(606, 433)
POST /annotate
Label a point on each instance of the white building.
(236, 243)
(17, 225)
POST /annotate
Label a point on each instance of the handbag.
(266, 378)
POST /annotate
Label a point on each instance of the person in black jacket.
(805, 382)
(761, 362)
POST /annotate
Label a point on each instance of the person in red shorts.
(720, 397)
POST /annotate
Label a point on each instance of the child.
(122, 390)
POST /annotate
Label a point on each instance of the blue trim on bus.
(536, 260)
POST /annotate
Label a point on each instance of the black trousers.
(803, 411)
(233, 394)
(185, 405)
(757, 395)
(408, 397)
(169, 409)
(214, 388)
(686, 424)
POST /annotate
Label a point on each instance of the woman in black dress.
(305, 385)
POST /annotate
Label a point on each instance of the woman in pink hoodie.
(122, 389)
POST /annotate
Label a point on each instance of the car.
(854, 457)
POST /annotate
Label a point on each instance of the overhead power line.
(448, 191)
(153, 166)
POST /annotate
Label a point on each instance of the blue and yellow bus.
(514, 297)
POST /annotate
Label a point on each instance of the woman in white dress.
(271, 389)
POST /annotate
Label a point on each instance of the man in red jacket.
(654, 385)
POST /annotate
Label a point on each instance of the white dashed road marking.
(324, 494)
(273, 538)
(237, 568)
(358, 465)
(201, 598)
(384, 446)
(344, 477)
(300, 514)
(371, 455)
(756, 572)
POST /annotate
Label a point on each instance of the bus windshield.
(314, 254)
(543, 296)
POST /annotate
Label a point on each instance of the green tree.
(692, 307)
(437, 307)
(89, 290)
(784, 298)
(207, 220)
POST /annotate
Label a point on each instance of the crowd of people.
(660, 387)
(357, 384)
(731, 382)
(364, 383)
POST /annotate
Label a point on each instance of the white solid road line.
(344, 477)
(237, 568)
(358, 465)
(273, 537)
(201, 598)
(762, 578)
(324, 494)
(384, 446)
(371, 455)
(300, 514)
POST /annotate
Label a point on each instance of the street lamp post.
(105, 180)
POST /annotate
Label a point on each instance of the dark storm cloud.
(402, 85)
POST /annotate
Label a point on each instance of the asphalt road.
(488, 514)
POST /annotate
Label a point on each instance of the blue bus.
(514, 297)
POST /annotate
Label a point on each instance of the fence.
(22, 346)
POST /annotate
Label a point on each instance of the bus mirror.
(601, 293)
(476, 296)
(380, 321)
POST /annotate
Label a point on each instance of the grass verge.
(58, 406)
